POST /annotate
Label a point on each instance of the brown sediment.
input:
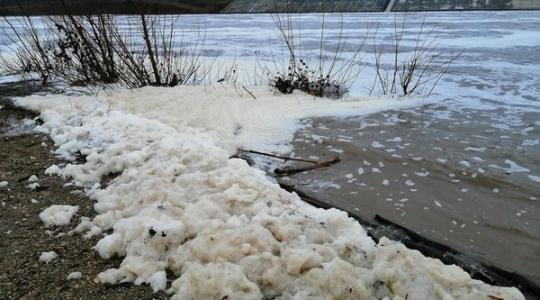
(22, 275)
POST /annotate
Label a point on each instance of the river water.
(464, 169)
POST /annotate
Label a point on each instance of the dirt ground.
(23, 236)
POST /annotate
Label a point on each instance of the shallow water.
(457, 181)
(15, 127)
(464, 172)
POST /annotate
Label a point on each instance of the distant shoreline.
(36, 14)
(118, 7)
(370, 11)
(164, 7)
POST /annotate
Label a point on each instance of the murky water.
(457, 180)
(17, 127)
(465, 171)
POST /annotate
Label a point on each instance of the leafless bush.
(84, 46)
(31, 51)
(94, 50)
(415, 72)
(159, 59)
(331, 76)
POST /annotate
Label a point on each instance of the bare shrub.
(331, 76)
(159, 59)
(94, 50)
(30, 49)
(411, 72)
(85, 49)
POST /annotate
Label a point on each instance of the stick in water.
(278, 156)
(290, 171)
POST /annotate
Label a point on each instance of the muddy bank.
(463, 181)
(22, 275)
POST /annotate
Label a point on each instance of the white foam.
(58, 215)
(74, 276)
(534, 178)
(181, 204)
(47, 257)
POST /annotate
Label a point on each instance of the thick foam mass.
(224, 229)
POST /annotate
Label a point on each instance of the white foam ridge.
(223, 229)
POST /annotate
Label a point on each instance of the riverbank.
(40, 8)
(24, 153)
(160, 181)
(341, 6)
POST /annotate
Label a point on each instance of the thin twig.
(249, 92)
(291, 171)
(278, 156)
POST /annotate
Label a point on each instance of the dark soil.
(23, 236)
